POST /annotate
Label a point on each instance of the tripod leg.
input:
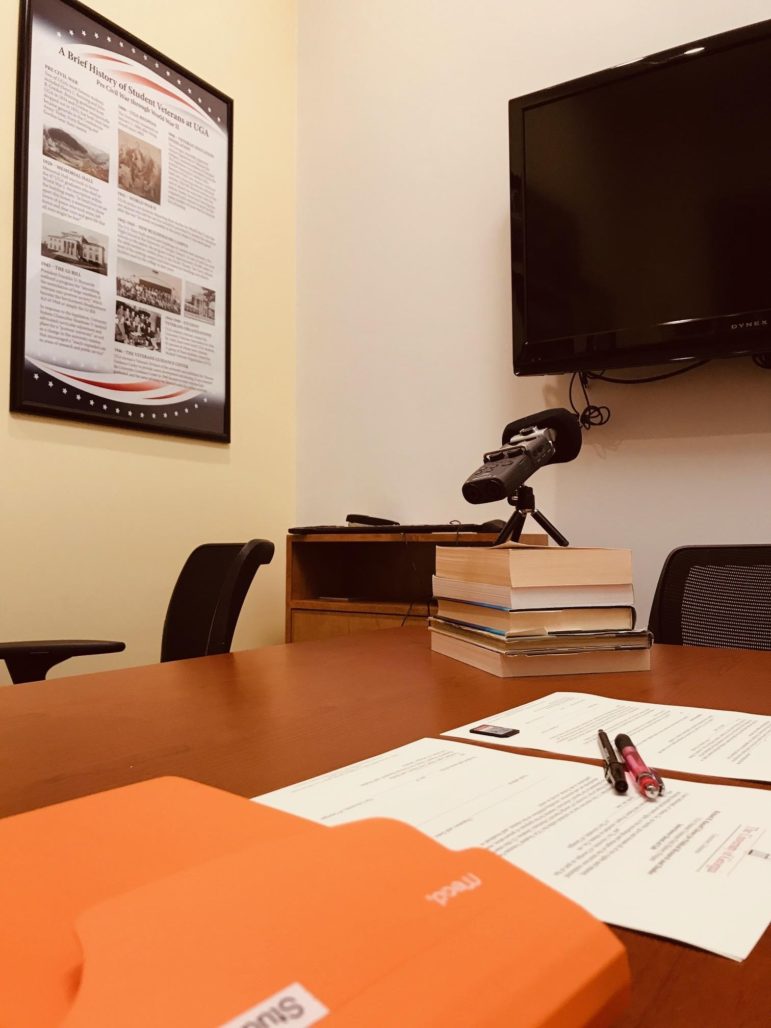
(512, 529)
(549, 528)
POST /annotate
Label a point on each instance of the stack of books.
(518, 611)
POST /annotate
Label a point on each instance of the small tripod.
(523, 502)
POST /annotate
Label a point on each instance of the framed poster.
(121, 298)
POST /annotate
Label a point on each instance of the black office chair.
(208, 597)
(714, 596)
(200, 620)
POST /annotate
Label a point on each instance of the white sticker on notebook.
(293, 1005)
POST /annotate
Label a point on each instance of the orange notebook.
(56, 862)
(365, 924)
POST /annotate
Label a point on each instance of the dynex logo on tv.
(757, 323)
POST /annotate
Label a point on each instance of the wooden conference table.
(255, 721)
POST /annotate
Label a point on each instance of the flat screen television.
(641, 210)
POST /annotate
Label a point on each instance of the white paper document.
(723, 743)
(693, 865)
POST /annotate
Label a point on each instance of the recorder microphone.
(549, 437)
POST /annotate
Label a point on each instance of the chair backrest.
(714, 596)
(208, 597)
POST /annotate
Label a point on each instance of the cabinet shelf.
(338, 583)
(362, 606)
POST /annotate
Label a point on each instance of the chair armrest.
(31, 660)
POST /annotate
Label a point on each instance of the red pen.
(647, 781)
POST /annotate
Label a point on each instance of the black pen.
(615, 769)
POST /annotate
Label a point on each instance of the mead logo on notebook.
(293, 1005)
(465, 883)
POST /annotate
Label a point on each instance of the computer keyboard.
(490, 526)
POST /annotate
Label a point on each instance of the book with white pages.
(534, 597)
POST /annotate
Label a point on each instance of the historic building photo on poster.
(121, 299)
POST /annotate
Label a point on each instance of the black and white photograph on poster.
(139, 167)
(148, 285)
(122, 230)
(73, 244)
(62, 145)
(137, 327)
(199, 302)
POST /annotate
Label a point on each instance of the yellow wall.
(95, 522)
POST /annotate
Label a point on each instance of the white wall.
(96, 521)
(404, 338)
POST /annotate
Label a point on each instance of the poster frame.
(19, 402)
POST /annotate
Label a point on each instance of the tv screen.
(641, 210)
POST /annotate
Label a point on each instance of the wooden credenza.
(345, 582)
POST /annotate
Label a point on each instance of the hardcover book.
(521, 566)
(521, 665)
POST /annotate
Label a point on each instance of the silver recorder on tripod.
(549, 437)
